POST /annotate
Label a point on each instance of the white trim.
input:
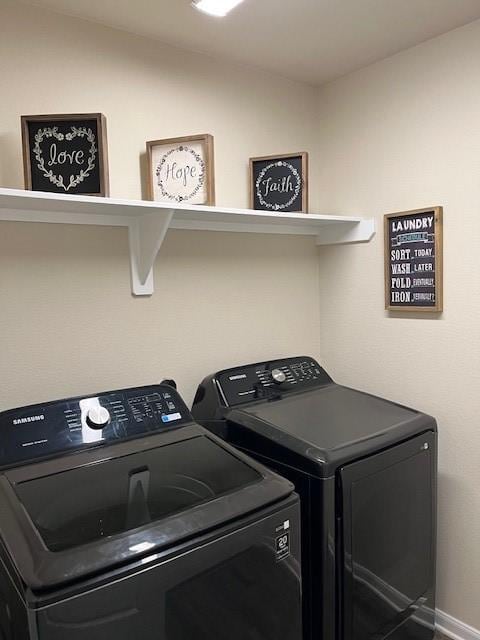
(455, 629)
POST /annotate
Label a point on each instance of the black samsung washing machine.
(121, 518)
(365, 469)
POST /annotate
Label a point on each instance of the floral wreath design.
(75, 132)
(201, 177)
(298, 185)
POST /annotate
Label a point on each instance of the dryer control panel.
(43, 430)
(268, 380)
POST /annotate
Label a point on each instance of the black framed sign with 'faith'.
(414, 260)
(279, 184)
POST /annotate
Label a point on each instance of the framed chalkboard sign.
(66, 153)
(279, 183)
(414, 260)
(182, 170)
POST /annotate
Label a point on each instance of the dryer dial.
(278, 376)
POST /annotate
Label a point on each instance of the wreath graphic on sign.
(298, 185)
(201, 178)
(75, 132)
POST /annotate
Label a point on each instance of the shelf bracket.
(347, 233)
(146, 234)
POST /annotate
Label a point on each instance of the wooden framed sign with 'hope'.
(414, 260)
(180, 170)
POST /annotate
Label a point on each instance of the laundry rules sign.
(413, 260)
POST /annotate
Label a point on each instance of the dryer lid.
(330, 424)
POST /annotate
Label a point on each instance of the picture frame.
(279, 183)
(414, 260)
(66, 153)
(181, 170)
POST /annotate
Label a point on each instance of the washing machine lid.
(83, 505)
(61, 525)
(329, 425)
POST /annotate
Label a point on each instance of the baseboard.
(455, 629)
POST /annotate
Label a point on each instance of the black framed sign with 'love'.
(66, 153)
(279, 183)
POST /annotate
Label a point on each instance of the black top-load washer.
(365, 469)
(121, 518)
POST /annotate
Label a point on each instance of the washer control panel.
(46, 429)
(269, 380)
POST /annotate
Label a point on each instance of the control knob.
(278, 376)
(98, 417)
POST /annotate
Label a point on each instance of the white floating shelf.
(148, 222)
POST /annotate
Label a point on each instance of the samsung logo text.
(29, 419)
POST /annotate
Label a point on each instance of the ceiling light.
(216, 7)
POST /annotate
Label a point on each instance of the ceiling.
(309, 40)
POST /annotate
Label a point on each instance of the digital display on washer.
(41, 430)
(154, 405)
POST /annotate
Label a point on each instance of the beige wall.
(400, 135)
(68, 322)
